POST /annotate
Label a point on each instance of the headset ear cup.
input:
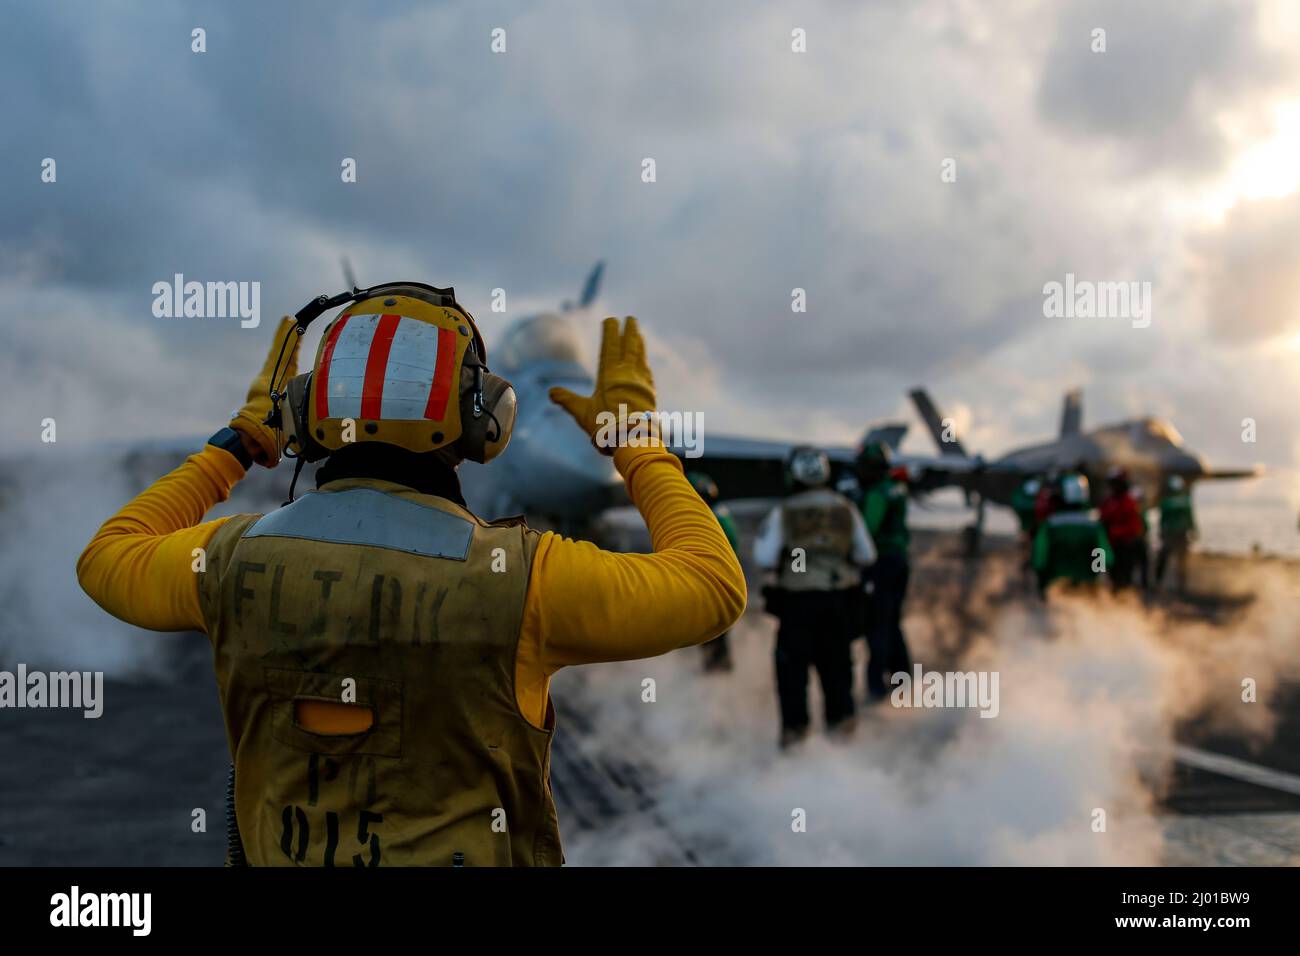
(469, 446)
(297, 396)
(485, 437)
(503, 403)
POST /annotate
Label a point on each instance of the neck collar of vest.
(425, 472)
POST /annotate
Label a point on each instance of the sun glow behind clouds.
(1271, 169)
(1266, 169)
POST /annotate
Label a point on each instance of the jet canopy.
(1161, 430)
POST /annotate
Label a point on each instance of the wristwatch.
(229, 440)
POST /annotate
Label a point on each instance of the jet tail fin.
(1072, 413)
(944, 435)
(591, 288)
(890, 435)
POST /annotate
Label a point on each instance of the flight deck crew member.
(1142, 549)
(717, 652)
(1048, 499)
(817, 544)
(1023, 500)
(1177, 529)
(382, 654)
(884, 508)
(1071, 544)
(1125, 529)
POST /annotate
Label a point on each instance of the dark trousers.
(1127, 557)
(887, 650)
(816, 630)
(1173, 550)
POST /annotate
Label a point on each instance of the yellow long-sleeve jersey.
(584, 605)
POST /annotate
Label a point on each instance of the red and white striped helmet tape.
(385, 367)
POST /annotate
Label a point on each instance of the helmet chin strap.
(478, 390)
(274, 418)
(496, 437)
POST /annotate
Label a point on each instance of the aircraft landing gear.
(973, 534)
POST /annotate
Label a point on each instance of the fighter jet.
(1149, 448)
(550, 473)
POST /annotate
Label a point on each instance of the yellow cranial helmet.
(402, 364)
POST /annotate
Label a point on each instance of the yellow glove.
(622, 379)
(262, 441)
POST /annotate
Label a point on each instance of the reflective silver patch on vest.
(372, 518)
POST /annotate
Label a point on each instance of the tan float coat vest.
(413, 605)
(820, 522)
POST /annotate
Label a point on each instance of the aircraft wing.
(1224, 474)
(751, 467)
(755, 467)
(970, 474)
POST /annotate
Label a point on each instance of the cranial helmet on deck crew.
(873, 461)
(1074, 491)
(808, 467)
(405, 365)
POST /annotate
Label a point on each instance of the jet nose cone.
(569, 451)
(565, 475)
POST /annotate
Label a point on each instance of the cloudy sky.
(1173, 157)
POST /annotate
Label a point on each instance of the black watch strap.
(229, 439)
